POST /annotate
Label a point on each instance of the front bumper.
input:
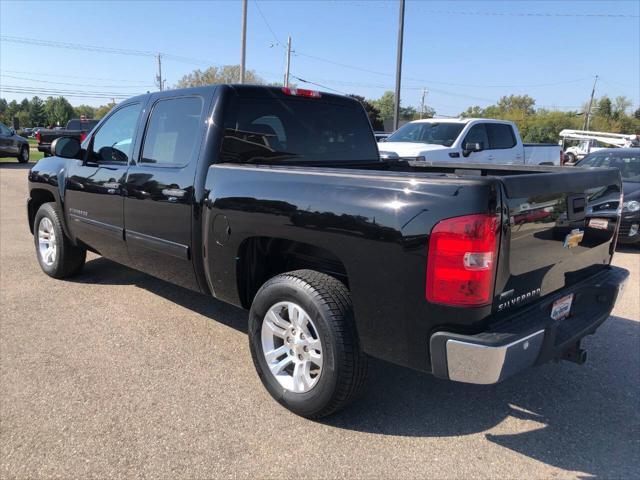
(629, 231)
(529, 336)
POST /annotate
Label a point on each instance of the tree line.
(50, 112)
(535, 124)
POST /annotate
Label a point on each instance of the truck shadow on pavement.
(577, 418)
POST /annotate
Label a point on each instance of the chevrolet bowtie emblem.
(573, 238)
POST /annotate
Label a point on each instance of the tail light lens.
(83, 136)
(38, 136)
(300, 92)
(462, 260)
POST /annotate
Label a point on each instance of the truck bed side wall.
(376, 225)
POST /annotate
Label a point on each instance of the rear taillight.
(38, 137)
(462, 260)
(83, 135)
(300, 92)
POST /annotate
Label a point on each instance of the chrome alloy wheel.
(47, 242)
(291, 347)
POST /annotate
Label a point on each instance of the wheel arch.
(263, 257)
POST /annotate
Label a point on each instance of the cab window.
(477, 134)
(172, 132)
(114, 141)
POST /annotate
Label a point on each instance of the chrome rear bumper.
(482, 364)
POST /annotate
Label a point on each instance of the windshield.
(627, 163)
(428, 132)
(309, 130)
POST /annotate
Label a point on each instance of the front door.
(7, 146)
(94, 194)
(158, 208)
(477, 134)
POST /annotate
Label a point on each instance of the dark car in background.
(77, 128)
(627, 160)
(13, 145)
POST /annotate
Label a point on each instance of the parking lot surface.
(116, 374)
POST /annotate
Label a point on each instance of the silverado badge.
(573, 238)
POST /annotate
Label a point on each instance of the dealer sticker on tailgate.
(561, 307)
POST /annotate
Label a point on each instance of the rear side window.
(172, 131)
(500, 136)
(311, 130)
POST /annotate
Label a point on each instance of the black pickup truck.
(76, 127)
(276, 200)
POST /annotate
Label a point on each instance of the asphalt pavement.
(115, 374)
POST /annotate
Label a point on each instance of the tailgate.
(556, 235)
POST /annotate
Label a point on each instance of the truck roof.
(460, 120)
(253, 91)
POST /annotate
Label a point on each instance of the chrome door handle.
(174, 192)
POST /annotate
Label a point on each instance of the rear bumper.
(529, 336)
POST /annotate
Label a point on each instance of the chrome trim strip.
(157, 244)
(105, 228)
(482, 364)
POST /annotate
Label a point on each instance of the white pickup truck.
(466, 140)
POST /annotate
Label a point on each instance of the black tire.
(569, 158)
(69, 258)
(23, 156)
(328, 303)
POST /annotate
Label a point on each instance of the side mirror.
(471, 147)
(13, 132)
(66, 147)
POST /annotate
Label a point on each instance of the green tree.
(604, 107)
(372, 112)
(516, 103)
(620, 106)
(3, 110)
(473, 112)
(386, 105)
(215, 75)
(84, 110)
(37, 114)
(102, 110)
(58, 111)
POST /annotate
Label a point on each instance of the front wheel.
(23, 157)
(57, 256)
(304, 343)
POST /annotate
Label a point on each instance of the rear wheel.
(569, 158)
(304, 343)
(57, 256)
(23, 156)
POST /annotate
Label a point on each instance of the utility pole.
(243, 50)
(286, 72)
(396, 116)
(424, 94)
(587, 118)
(159, 76)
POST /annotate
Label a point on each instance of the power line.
(142, 82)
(71, 84)
(62, 92)
(275, 37)
(318, 85)
(530, 14)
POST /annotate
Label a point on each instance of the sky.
(462, 52)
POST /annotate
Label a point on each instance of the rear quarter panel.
(376, 223)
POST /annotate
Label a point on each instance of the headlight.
(631, 206)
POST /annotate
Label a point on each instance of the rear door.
(158, 208)
(552, 241)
